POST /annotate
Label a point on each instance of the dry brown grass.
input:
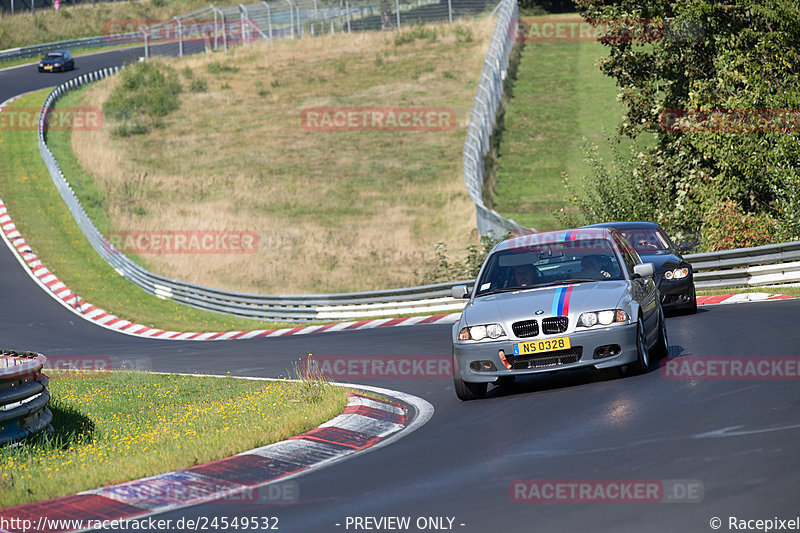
(335, 211)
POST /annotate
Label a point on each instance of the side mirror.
(644, 270)
(459, 292)
(685, 246)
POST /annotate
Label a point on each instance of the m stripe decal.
(561, 301)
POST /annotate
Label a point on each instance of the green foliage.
(463, 34)
(198, 85)
(425, 33)
(734, 55)
(147, 92)
(448, 269)
(727, 226)
(218, 68)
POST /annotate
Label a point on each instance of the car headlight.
(476, 333)
(604, 318)
(57, 65)
(678, 273)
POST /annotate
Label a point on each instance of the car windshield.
(647, 240)
(54, 56)
(549, 264)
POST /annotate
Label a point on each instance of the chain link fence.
(217, 28)
(483, 119)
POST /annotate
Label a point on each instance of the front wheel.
(642, 363)
(469, 391)
(465, 390)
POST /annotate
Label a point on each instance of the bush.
(727, 226)
(199, 85)
(146, 93)
(454, 270)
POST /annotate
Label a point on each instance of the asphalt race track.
(737, 439)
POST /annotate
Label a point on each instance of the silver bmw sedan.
(554, 301)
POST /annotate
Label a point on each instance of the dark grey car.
(556, 301)
(674, 275)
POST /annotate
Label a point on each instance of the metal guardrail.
(747, 267)
(23, 395)
(424, 299)
(293, 308)
(483, 118)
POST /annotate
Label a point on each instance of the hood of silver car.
(509, 307)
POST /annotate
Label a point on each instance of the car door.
(644, 289)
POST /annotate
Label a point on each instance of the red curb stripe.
(433, 318)
(358, 324)
(385, 402)
(342, 437)
(714, 299)
(246, 469)
(76, 507)
(393, 322)
(373, 412)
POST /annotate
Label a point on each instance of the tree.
(716, 83)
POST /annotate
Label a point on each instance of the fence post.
(397, 7)
(291, 16)
(242, 16)
(180, 37)
(216, 29)
(347, 14)
(269, 20)
(146, 48)
(450, 10)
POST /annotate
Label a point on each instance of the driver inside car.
(592, 268)
(526, 276)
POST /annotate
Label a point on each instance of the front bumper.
(468, 355)
(677, 294)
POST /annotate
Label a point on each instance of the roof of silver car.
(552, 237)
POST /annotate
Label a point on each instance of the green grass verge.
(44, 220)
(782, 289)
(87, 20)
(114, 427)
(560, 100)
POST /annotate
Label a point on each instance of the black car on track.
(57, 61)
(674, 275)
